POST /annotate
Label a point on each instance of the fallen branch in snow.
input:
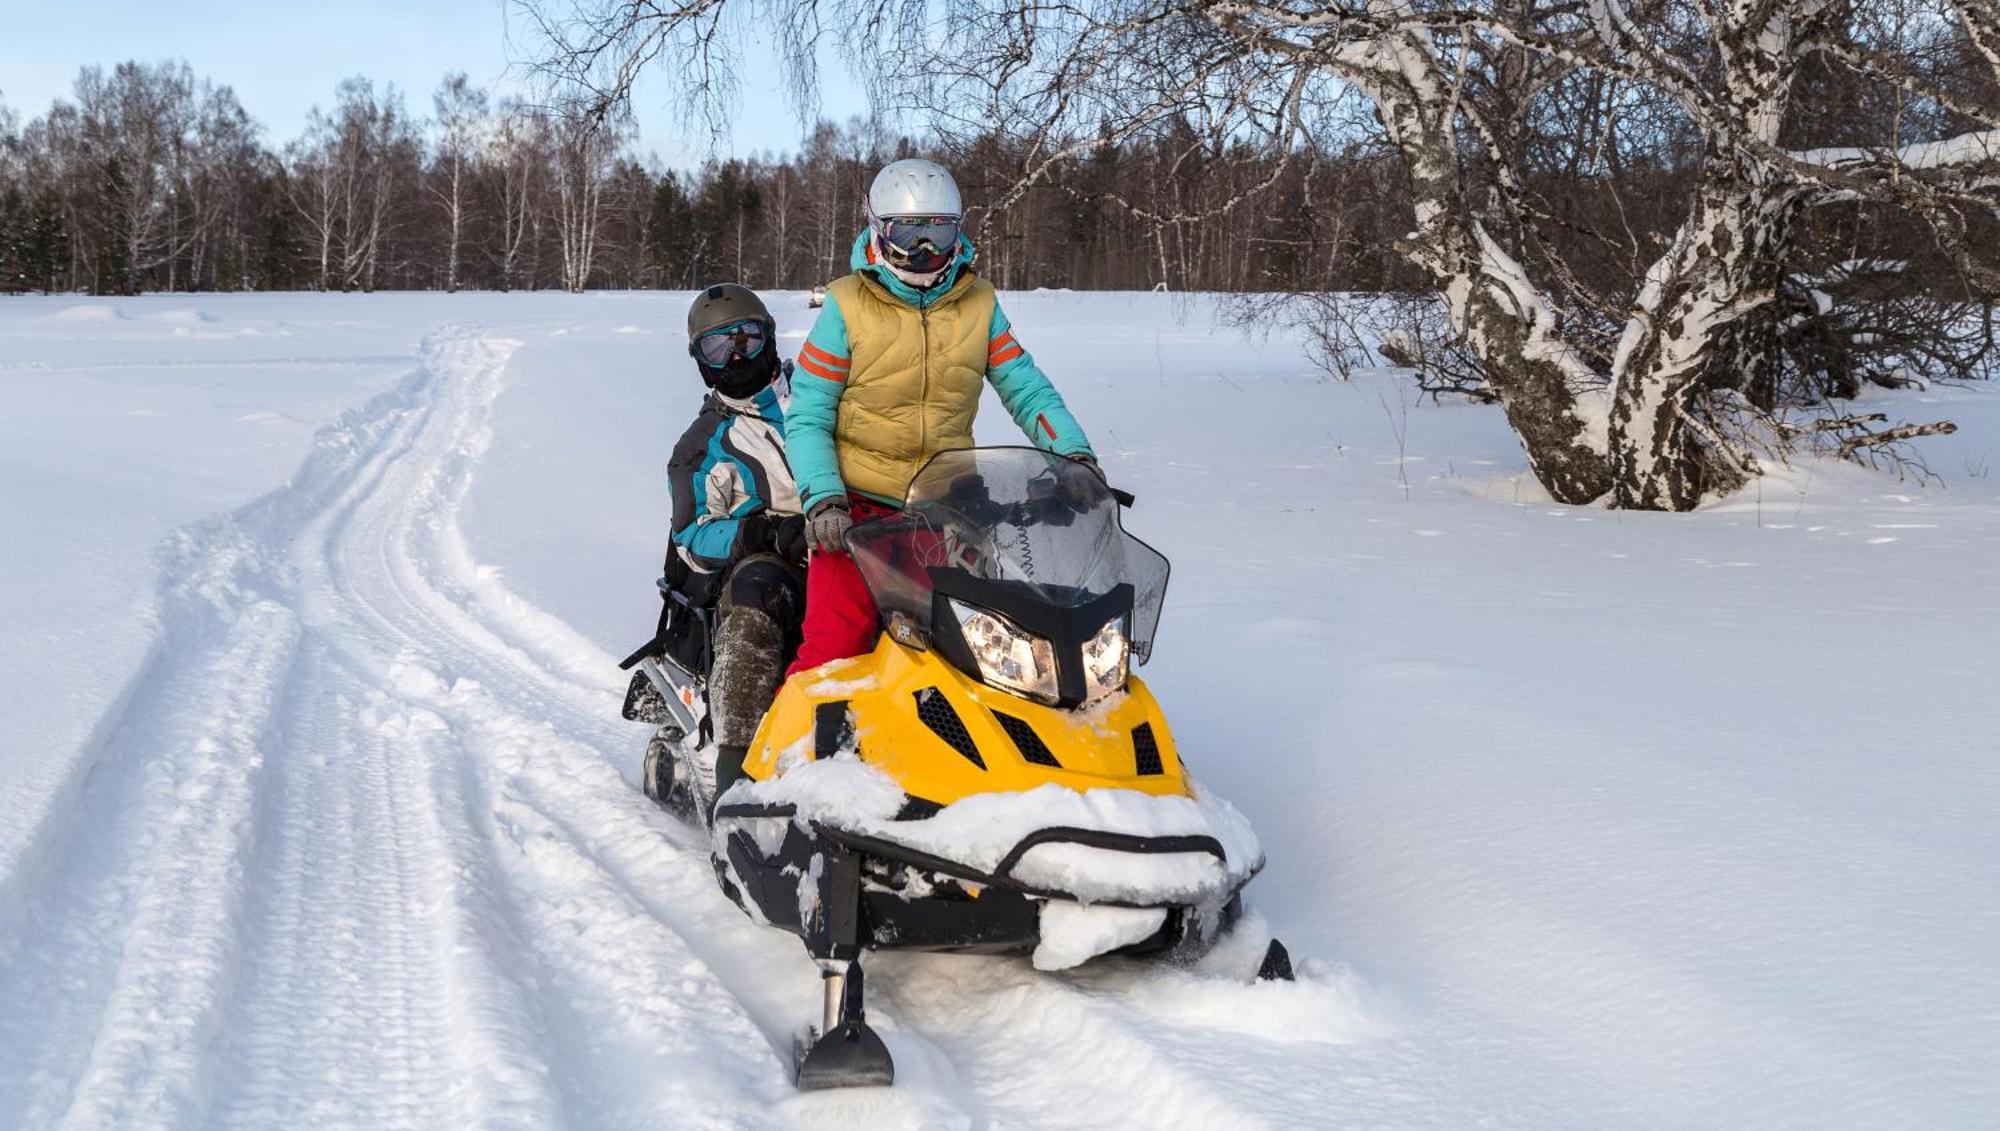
(1416, 335)
(1849, 445)
(1854, 438)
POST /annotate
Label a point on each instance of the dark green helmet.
(725, 304)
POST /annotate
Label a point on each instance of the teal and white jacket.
(728, 465)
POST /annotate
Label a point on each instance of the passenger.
(739, 540)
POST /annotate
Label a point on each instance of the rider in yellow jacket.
(889, 376)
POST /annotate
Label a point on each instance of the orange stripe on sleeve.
(1002, 349)
(824, 358)
(816, 369)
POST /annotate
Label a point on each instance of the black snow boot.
(728, 768)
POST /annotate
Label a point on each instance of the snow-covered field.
(319, 811)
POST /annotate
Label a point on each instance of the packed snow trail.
(282, 895)
(351, 852)
(1629, 820)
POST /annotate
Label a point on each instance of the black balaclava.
(745, 377)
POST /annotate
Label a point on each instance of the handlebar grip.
(1125, 498)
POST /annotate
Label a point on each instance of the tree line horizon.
(1673, 243)
(150, 177)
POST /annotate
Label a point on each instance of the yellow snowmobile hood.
(943, 736)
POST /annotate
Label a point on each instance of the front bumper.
(914, 900)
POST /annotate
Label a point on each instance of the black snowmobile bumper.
(912, 900)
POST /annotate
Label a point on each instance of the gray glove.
(827, 527)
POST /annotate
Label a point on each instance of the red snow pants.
(841, 617)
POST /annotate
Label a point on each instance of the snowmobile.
(991, 779)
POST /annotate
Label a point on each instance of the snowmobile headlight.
(1106, 658)
(1008, 658)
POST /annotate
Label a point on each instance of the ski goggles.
(745, 339)
(927, 242)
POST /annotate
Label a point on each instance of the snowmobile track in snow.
(350, 852)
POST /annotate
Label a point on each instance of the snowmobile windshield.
(1044, 526)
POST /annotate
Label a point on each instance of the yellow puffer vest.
(915, 382)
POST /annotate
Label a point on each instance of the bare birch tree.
(585, 146)
(1641, 424)
(519, 154)
(314, 191)
(461, 127)
(131, 132)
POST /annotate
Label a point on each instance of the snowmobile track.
(351, 852)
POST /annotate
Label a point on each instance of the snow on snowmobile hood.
(979, 831)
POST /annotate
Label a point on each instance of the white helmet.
(913, 187)
(913, 218)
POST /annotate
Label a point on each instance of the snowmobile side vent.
(833, 731)
(937, 713)
(1146, 750)
(1031, 745)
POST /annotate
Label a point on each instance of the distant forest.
(1672, 242)
(150, 177)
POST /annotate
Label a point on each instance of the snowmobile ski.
(1277, 964)
(843, 1052)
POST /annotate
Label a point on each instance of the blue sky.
(283, 58)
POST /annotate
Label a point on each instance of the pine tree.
(670, 233)
(13, 224)
(44, 244)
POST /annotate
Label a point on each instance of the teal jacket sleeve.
(817, 383)
(1028, 396)
(712, 540)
